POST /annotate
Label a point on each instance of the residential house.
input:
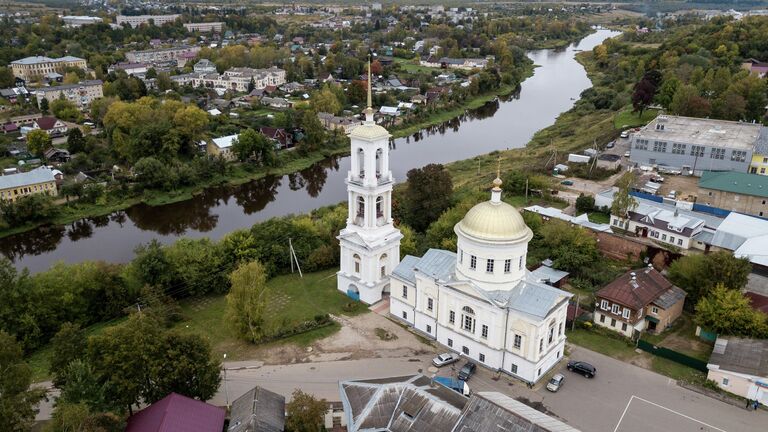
(131, 69)
(51, 125)
(759, 163)
(276, 102)
(639, 300)
(291, 87)
(282, 138)
(222, 147)
(663, 223)
(30, 68)
(436, 93)
(331, 122)
(80, 94)
(756, 67)
(39, 180)
(740, 366)
(258, 410)
(735, 191)
(13, 94)
(417, 404)
(389, 111)
(56, 155)
(694, 145)
(204, 66)
(177, 413)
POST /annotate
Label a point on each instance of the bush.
(585, 203)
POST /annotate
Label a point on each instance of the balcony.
(359, 180)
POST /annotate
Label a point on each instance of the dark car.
(467, 370)
(583, 368)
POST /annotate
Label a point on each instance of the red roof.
(46, 123)
(759, 302)
(177, 413)
(647, 286)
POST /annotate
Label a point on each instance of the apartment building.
(80, 94)
(37, 181)
(179, 54)
(30, 68)
(137, 20)
(235, 79)
(694, 145)
(205, 27)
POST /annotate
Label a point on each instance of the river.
(508, 123)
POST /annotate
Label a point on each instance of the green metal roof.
(652, 319)
(736, 182)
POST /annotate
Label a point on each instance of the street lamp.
(226, 390)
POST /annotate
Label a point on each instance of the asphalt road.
(621, 398)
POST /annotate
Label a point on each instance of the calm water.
(508, 123)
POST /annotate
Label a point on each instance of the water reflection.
(216, 211)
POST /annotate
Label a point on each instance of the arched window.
(380, 207)
(361, 162)
(383, 265)
(360, 206)
(468, 319)
(379, 157)
(468, 310)
(356, 258)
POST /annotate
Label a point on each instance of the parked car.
(567, 182)
(626, 154)
(555, 383)
(624, 134)
(582, 368)
(445, 359)
(672, 194)
(611, 145)
(657, 179)
(467, 371)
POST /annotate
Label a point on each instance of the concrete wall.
(617, 247)
(703, 163)
(749, 204)
(739, 384)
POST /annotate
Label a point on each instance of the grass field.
(628, 118)
(599, 217)
(295, 299)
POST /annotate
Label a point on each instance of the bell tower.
(370, 243)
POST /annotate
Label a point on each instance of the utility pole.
(294, 258)
(226, 390)
(575, 314)
(526, 189)
(290, 253)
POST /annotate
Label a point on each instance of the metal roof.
(747, 356)
(700, 131)
(404, 270)
(438, 264)
(37, 175)
(225, 141)
(494, 411)
(258, 410)
(670, 297)
(736, 229)
(43, 59)
(547, 274)
(735, 182)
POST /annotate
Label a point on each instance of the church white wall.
(397, 307)
(456, 341)
(425, 324)
(499, 253)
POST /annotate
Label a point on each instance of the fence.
(675, 356)
(711, 210)
(647, 196)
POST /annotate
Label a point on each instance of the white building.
(80, 94)
(137, 20)
(235, 79)
(79, 20)
(204, 27)
(481, 301)
(370, 243)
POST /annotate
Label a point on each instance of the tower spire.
(496, 190)
(369, 108)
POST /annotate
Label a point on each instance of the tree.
(164, 82)
(38, 141)
(688, 102)
(727, 312)
(325, 101)
(623, 202)
(151, 266)
(44, 106)
(6, 77)
(69, 344)
(247, 300)
(357, 92)
(571, 248)
(585, 203)
(17, 400)
(304, 413)
(314, 133)
(82, 386)
(698, 274)
(643, 95)
(150, 173)
(253, 145)
(75, 141)
(185, 365)
(65, 110)
(427, 196)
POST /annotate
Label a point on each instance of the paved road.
(621, 398)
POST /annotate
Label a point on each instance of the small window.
(654, 310)
(484, 332)
(482, 357)
(680, 241)
(473, 262)
(541, 345)
(725, 381)
(429, 329)
(489, 266)
(451, 317)
(508, 262)
(602, 318)
(469, 324)
(615, 309)
(623, 327)
(560, 329)
(613, 322)
(520, 264)
(539, 372)
(513, 368)
(461, 256)
(450, 342)
(664, 237)
(430, 304)
(465, 350)
(518, 341)
(405, 315)
(625, 313)
(604, 304)
(405, 292)
(672, 239)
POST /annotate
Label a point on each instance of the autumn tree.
(75, 141)
(17, 400)
(688, 102)
(38, 141)
(247, 300)
(428, 195)
(645, 90)
(305, 413)
(314, 133)
(728, 312)
(698, 274)
(325, 100)
(252, 145)
(69, 344)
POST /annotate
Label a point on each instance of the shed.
(577, 158)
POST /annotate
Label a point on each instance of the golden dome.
(495, 221)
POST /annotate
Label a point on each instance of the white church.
(479, 301)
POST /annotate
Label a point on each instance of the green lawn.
(413, 66)
(295, 299)
(628, 118)
(599, 217)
